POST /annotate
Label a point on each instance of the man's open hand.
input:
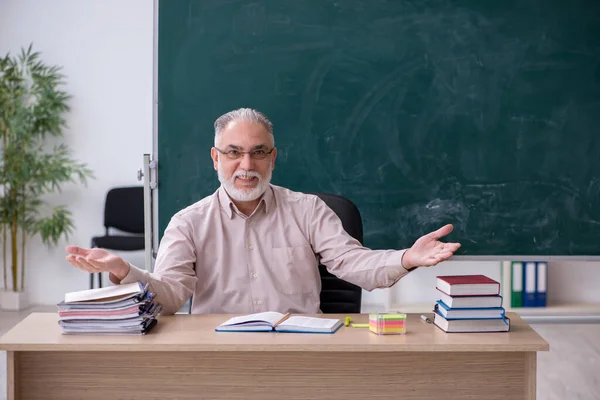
(97, 260)
(428, 250)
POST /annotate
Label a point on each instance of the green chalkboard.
(484, 114)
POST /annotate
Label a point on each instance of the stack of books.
(469, 303)
(122, 309)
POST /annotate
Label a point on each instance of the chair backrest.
(337, 295)
(124, 209)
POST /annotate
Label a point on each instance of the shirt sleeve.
(174, 277)
(346, 258)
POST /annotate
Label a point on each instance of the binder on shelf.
(530, 284)
(505, 286)
(542, 284)
(516, 295)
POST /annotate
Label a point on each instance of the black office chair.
(337, 295)
(124, 211)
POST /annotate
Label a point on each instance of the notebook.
(272, 321)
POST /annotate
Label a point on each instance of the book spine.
(506, 284)
(542, 283)
(530, 284)
(516, 298)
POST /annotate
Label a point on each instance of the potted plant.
(32, 106)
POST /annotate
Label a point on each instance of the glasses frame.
(228, 153)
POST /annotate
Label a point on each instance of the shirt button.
(255, 275)
(250, 247)
(259, 302)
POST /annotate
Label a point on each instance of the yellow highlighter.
(347, 321)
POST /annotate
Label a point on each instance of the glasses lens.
(259, 154)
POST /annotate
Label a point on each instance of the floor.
(569, 371)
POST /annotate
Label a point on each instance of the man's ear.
(273, 157)
(215, 157)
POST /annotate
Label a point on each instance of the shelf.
(560, 309)
(568, 312)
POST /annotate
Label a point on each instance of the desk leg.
(11, 375)
(530, 375)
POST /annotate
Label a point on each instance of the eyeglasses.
(258, 154)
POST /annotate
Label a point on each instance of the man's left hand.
(428, 250)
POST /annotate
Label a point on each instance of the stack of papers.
(122, 309)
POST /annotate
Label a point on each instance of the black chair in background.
(337, 295)
(123, 211)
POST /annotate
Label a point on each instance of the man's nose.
(246, 162)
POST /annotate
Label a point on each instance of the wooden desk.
(184, 358)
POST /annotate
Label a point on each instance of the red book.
(468, 285)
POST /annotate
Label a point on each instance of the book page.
(269, 317)
(110, 292)
(308, 322)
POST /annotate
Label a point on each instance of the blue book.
(542, 283)
(468, 313)
(272, 321)
(529, 284)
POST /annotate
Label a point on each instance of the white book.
(470, 301)
(107, 294)
(472, 325)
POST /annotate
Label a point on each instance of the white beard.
(241, 194)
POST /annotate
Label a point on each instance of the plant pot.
(13, 301)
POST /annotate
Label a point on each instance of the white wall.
(105, 48)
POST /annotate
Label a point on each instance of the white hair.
(243, 114)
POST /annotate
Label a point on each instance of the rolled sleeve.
(395, 267)
(135, 274)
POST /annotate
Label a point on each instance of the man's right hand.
(97, 260)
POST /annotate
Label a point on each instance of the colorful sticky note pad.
(387, 323)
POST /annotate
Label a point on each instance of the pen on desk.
(425, 318)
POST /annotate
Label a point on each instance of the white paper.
(103, 293)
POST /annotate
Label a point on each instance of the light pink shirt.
(267, 261)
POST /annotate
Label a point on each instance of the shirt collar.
(229, 207)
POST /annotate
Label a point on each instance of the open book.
(274, 321)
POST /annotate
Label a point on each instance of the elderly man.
(252, 246)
